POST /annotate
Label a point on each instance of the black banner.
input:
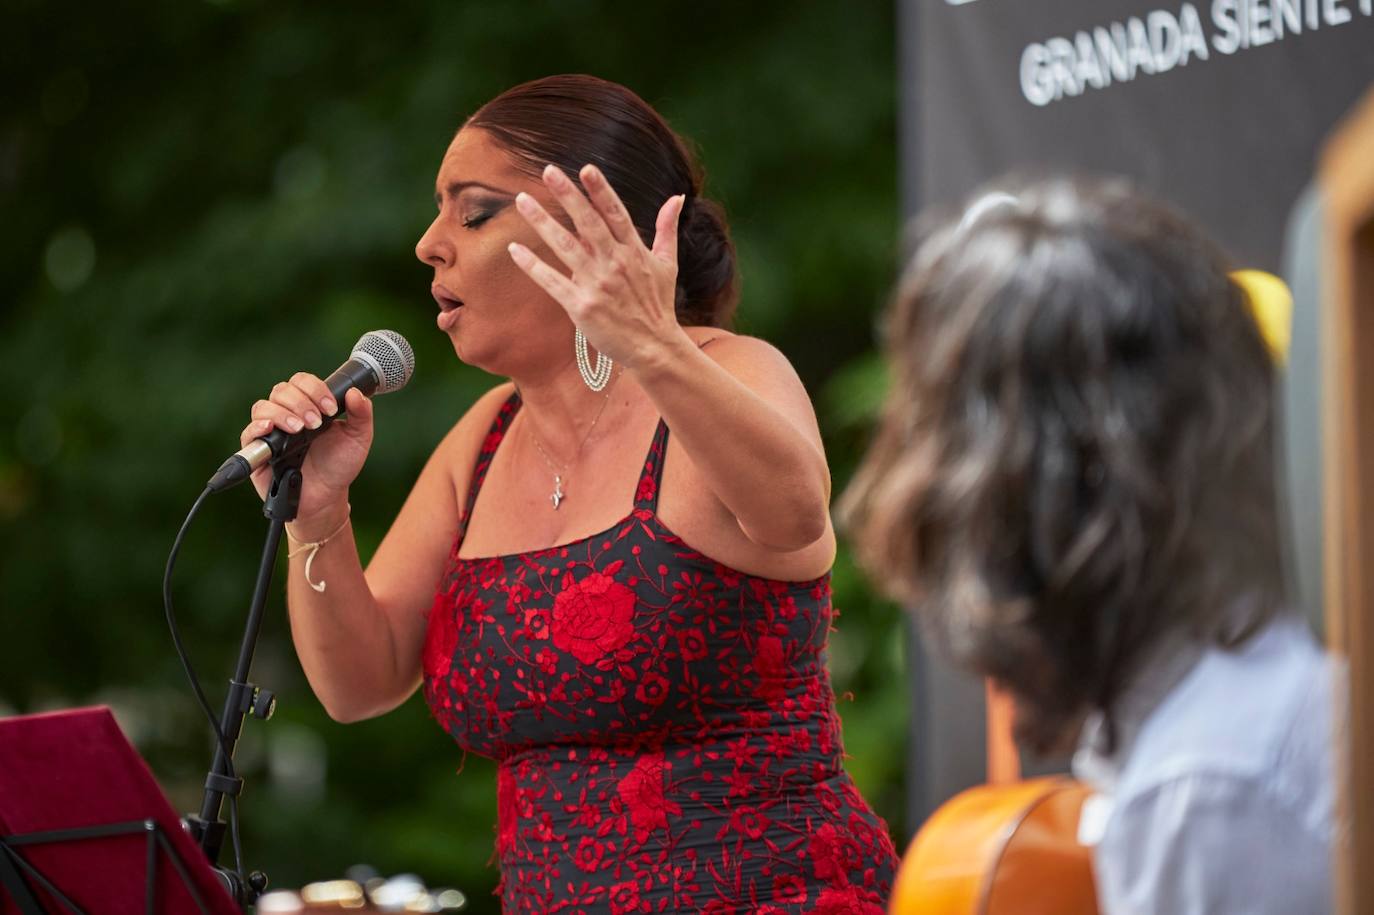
(1219, 107)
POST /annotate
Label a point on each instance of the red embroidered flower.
(440, 638)
(537, 623)
(789, 889)
(624, 898)
(862, 831)
(828, 798)
(741, 752)
(489, 573)
(547, 661)
(588, 815)
(642, 792)
(653, 689)
(787, 608)
(589, 854)
(646, 489)
(770, 667)
(833, 855)
(845, 901)
(693, 644)
(592, 617)
(749, 821)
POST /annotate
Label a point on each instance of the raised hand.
(618, 291)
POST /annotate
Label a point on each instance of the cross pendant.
(557, 491)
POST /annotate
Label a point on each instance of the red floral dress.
(664, 725)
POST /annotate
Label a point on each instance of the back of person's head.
(1075, 463)
(572, 120)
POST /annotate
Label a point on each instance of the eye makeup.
(482, 209)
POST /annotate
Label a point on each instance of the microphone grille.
(390, 354)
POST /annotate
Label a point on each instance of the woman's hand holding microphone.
(381, 361)
(335, 457)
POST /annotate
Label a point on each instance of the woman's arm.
(359, 641)
(742, 416)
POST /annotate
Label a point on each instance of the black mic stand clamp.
(244, 699)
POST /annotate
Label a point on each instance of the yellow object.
(1000, 850)
(1272, 305)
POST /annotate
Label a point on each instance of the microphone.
(382, 361)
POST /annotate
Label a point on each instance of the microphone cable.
(204, 703)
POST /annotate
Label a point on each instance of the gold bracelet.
(313, 547)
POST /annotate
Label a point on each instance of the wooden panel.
(1347, 181)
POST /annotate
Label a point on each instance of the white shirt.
(1220, 797)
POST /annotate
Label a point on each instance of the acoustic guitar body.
(999, 850)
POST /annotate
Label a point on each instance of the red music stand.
(84, 827)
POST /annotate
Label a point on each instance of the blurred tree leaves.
(200, 198)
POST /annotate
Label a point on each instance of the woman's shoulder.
(718, 342)
(460, 447)
(744, 356)
(477, 419)
(761, 367)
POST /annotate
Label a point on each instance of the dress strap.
(495, 434)
(651, 478)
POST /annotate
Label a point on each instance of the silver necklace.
(560, 473)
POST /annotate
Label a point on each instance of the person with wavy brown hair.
(1073, 484)
(613, 575)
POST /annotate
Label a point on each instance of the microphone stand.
(283, 500)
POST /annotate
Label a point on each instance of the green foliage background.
(199, 198)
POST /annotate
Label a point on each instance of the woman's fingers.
(609, 205)
(301, 403)
(665, 229)
(548, 279)
(256, 429)
(278, 416)
(591, 228)
(314, 387)
(607, 258)
(358, 407)
(306, 400)
(565, 245)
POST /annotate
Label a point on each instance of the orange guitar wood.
(1000, 849)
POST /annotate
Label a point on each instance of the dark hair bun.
(707, 283)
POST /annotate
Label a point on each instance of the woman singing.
(630, 538)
